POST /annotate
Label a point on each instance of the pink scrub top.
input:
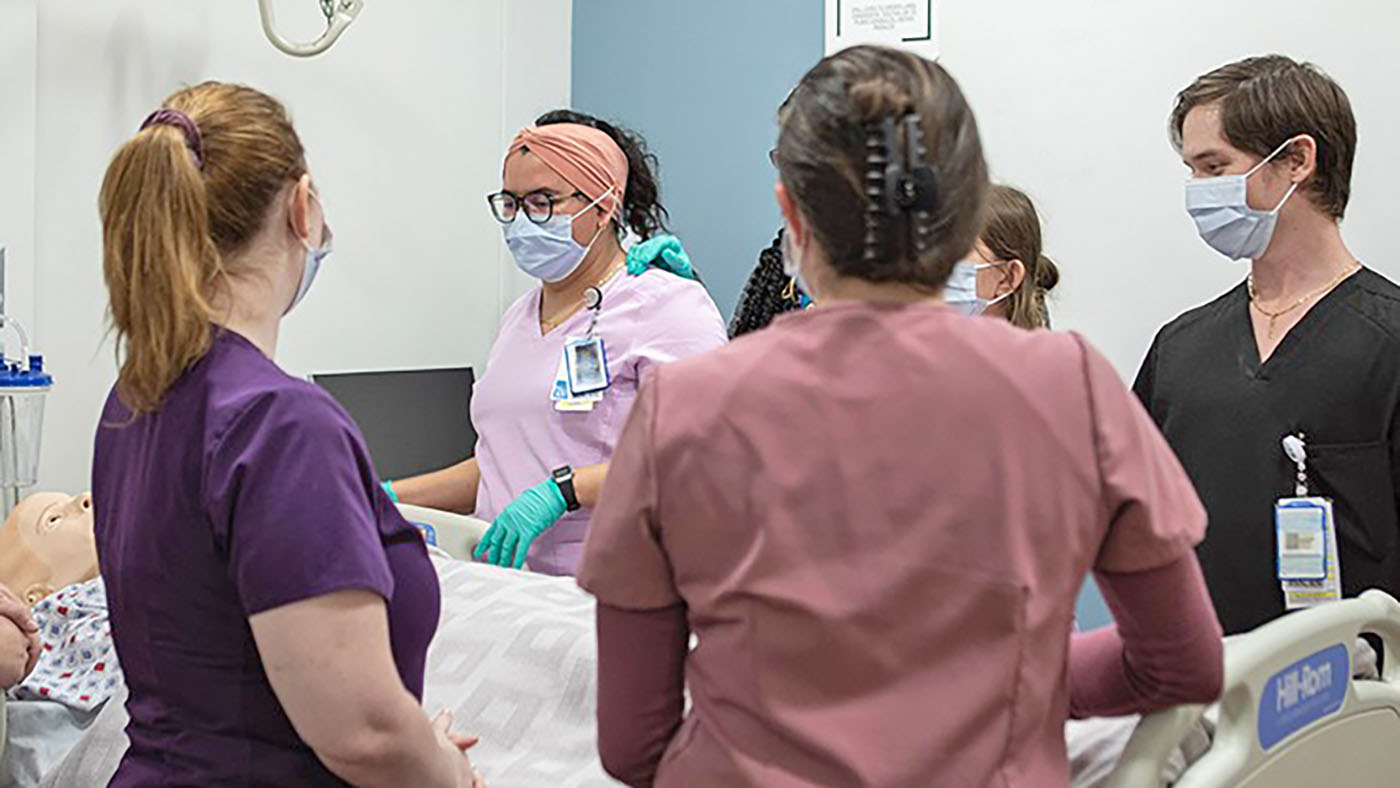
(877, 519)
(645, 320)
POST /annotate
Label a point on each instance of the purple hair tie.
(166, 116)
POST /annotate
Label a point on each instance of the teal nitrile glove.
(389, 490)
(664, 252)
(508, 540)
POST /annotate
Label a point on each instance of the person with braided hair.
(768, 293)
(876, 514)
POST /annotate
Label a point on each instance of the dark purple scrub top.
(246, 490)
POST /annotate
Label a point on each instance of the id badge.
(587, 362)
(1297, 521)
(564, 399)
(1301, 525)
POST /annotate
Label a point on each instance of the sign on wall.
(907, 24)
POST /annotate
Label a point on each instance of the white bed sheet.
(40, 734)
(515, 659)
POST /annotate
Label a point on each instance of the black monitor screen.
(414, 421)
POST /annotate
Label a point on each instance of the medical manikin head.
(47, 543)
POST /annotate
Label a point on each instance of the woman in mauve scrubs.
(876, 514)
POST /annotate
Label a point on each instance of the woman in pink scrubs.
(875, 514)
(573, 186)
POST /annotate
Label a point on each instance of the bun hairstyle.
(880, 151)
(1013, 232)
(642, 211)
(191, 188)
(768, 293)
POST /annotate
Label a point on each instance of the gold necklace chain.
(554, 322)
(1274, 316)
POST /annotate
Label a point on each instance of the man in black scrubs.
(1308, 345)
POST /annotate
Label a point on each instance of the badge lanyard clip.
(593, 302)
(1297, 450)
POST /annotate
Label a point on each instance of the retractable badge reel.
(587, 359)
(1306, 538)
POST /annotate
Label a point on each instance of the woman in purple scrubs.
(270, 608)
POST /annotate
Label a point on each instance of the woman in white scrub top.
(547, 420)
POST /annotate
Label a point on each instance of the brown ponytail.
(169, 225)
(1012, 232)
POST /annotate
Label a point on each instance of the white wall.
(1072, 97)
(18, 23)
(403, 121)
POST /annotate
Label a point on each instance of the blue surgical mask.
(961, 290)
(548, 251)
(314, 258)
(1220, 208)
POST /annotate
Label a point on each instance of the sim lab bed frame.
(1291, 715)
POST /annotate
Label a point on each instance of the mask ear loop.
(593, 205)
(601, 224)
(1280, 149)
(1008, 293)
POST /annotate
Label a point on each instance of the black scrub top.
(1336, 378)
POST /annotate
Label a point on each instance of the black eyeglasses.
(539, 205)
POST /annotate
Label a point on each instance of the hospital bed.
(1291, 715)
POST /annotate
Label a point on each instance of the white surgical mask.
(315, 256)
(548, 251)
(792, 267)
(1220, 208)
(961, 290)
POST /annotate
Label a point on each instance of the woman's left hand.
(507, 541)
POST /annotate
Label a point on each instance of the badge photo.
(588, 366)
(1301, 538)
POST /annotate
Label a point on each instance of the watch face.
(563, 474)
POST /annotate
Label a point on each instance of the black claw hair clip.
(899, 185)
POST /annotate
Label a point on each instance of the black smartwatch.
(564, 477)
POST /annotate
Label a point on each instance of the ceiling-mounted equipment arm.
(339, 15)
